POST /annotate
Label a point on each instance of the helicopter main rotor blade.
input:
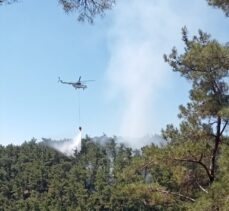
(87, 81)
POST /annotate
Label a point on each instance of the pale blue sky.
(39, 42)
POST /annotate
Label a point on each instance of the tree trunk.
(215, 150)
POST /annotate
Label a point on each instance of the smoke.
(136, 67)
(68, 147)
(141, 32)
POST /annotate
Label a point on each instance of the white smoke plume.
(141, 32)
(136, 67)
(68, 147)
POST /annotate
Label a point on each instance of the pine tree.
(205, 63)
(222, 4)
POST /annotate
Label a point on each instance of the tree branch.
(200, 186)
(224, 127)
(173, 193)
(198, 162)
(215, 150)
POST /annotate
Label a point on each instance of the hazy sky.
(134, 94)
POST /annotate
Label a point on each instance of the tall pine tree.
(205, 62)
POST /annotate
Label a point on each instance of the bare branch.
(224, 127)
(201, 187)
(212, 123)
(173, 193)
(201, 156)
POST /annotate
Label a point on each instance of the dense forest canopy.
(108, 176)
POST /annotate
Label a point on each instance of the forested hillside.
(108, 176)
(35, 177)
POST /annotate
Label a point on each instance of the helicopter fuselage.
(79, 86)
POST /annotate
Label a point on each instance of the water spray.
(68, 147)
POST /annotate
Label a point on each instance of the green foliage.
(205, 63)
(222, 4)
(87, 9)
(109, 176)
(35, 177)
(217, 197)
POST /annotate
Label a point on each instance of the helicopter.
(77, 85)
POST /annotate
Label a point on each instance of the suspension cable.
(79, 108)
